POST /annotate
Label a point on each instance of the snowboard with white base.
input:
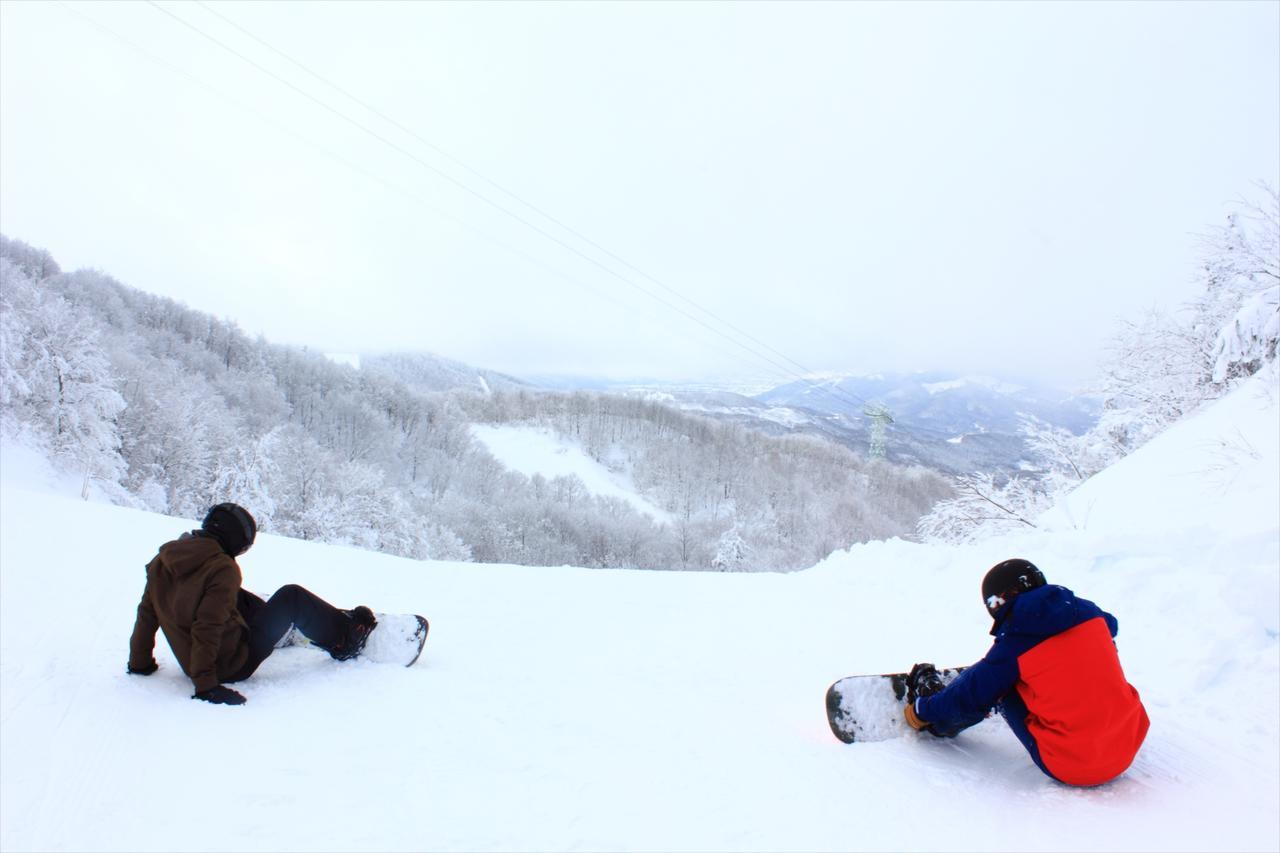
(397, 638)
(864, 708)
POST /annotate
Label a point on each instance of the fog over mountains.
(942, 402)
(950, 422)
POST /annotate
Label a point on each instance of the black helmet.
(232, 526)
(1008, 579)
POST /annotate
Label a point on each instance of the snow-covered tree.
(444, 544)
(1157, 372)
(1249, 339)
(732, 552)
(1064, 459)
(299, 483)
(54, 373)
(1242, 261)
(17, 297)
(36, 264)
(241, 476)
(1168, 365)
(179, 435)
(983, 507)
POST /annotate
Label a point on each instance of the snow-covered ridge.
(988, 382)
(351, 359)
(941, 402)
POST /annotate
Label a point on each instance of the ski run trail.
(565, 708)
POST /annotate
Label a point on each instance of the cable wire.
(394, 187)
(833, 391)
(510, 193)
(784, 371)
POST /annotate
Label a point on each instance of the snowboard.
(397, 638)
(864, 708)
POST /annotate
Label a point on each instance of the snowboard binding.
(923, 680)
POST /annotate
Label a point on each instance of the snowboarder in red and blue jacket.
(1053, 673)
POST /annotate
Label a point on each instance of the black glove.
(142, 670)
(923, 680)
(220, 696)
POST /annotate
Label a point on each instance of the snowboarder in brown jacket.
(219, 632)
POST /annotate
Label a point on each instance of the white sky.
(860, 186)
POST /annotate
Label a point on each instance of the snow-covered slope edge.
(568, 708)
(1194, 476)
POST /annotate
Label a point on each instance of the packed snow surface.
(537, 450)
(576, 709)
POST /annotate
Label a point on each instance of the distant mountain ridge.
(941, 402)
(949, 422)
(427, 372)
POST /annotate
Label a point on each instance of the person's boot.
(361, 623)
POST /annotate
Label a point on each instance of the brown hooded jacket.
(191, 596)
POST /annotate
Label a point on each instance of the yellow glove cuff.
(909, 711)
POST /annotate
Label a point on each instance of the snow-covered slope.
(1194, 477)
(536, 450)
(563, 708)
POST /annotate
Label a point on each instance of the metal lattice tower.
(880, 417)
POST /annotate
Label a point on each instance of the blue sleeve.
(974, 692)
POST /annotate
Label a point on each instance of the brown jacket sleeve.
(216, 607)
(143, 642)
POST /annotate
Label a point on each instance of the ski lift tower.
(880, 417)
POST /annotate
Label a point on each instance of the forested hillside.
(171, 409)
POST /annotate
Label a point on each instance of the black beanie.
(232, 526)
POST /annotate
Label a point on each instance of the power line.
(835, 392)
(394, 187)
(783, 371)
(510, 193)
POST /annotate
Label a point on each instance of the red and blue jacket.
(1056, 676)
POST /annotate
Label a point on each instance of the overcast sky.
(858, 187)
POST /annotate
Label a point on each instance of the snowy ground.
(574, 709)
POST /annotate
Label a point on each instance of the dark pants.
(319, 621)
(1014, 711)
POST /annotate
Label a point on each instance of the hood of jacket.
(1042, 612)
(189, 553)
